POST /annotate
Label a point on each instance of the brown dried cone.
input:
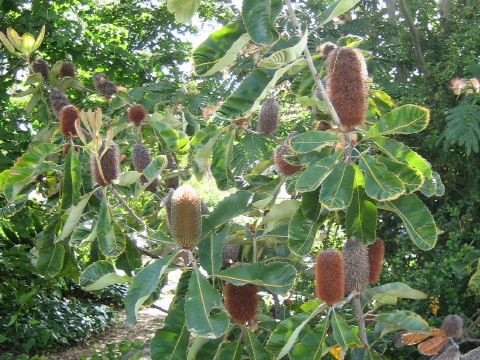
(453, 326)
(472, 355)
(104, 86)
(109, 162)
(329, 276)
(347, 86)
(168, 207)
(185, 218)
(173, 182)
(375, 259)
(283, 167)
(268, 117)
(68, 115)
(230, 254)
(326, 48)
(355, 262)
(141, 159)
(241, 302)
(137, 114)
(40, 66)
(67, 69)
(58, 100)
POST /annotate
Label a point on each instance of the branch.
(128, 208)
(362, 332)
(273, 137)
(159, 308)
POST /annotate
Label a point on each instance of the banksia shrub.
(185, 218)
(141, 159)
(453, 325)
(110, 165)
(68, 115)
(136, 114)
(283, 167)
(173, 182)
(268, 117)
(67, 69)
(58, 100)
(241, 302)
(40, 66)
(230, 254)
(329, 276)
(347, 86)
(355, 262)
(375, 259)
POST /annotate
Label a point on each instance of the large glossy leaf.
(311, 141)
(411, 178)
(337, 8)
(74, 215)
(210, 251)
(99, 275)
(344, 334)
(200, 300)
(433, 186)
(406, 119)
(312, 345)
(282, 211)
(385, 293)
(110, 237)
(285, 56)
(337, 189)
(301, 233)
(417, 219)
(130, 258)
(72, 179)
(230, 351)
(314, 175)
(259, 18)
(474, 282)
(143, 285)
(380, 184)
(183, 9)
(167, 137)
(361, 218)
(279, 337)
(399, 320)
(310, 204)
(128, 178)
(202, 144)
(222, 161)
(50, 259)
(156, 166)
(220, 48)
(277, 277)
(255, 348)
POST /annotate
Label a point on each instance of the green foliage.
(463, 127)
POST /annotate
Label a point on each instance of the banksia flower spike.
(355, 262)
(185, 218)
(283, 167)
(141, 159)
(173, 182)
(453, 326)
(329, 276)
(104, 86)
(268, 117)
(109, 163)
(230, 254)
(347, 86)
(58, 100)
(40, 66)
(375, 259)
(137, 114)
(67, 69)
(68, 115)
(241, 302)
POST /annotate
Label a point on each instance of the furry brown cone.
(104, 86)
(355, 262)
(110, 165)
(375, 259)
(229, 254)
(268, 117)
(173, 182)
(58, 100)
(241, 302)
(68, 115)
(136, 114)
(67, 69)
(40, 66)
(327, 47)
(185, 218)
(283, 167)
(329, 276)
(453, 325)
(347, 86)
(141, 159)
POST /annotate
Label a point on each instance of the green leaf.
(314, 175)
(399, 320)
(474, 282)
(417, 219)
(128, 178)
(156, 166)
(167, 137)
(230, 351)
(279, 337)
(99, 275)
(50, 259)
(222, 161)
(277, 277)
(202, 144)
(301, 233)
(72, 180)
(183, 9)
(74, 215)
(200, 300)
(336, 9)
(406, 119)
(380, 184)
(344, 334)
(220, 48)
(312, 141)
(463, 127)
(337, 189)
(259, 19)
(361, 218)
(143, 285)
(130, 258)
(210, 251)
(312, 345)
(285, 56)
(310, 204)
(111, 240)
(282, 211)
(255, 348)
(433, 186)
(396, 290)
(411, 178)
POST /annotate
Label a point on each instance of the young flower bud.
(67, 69)
(241, 302)
(141, 159)
(329, 276)
(453, 325)
(68, 115)
(283, 167)
(375, 259)
(185, 218)
(268, 117)
(136, 114)
(355, 262)
(109, 163)
(40, 66)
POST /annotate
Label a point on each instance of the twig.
(159, 308)
(148, 253)
(128, 208)
(467, 330)
(362, 332)
(346, 300)
(249, 131)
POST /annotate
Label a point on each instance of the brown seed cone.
(68, 115)
(185, 219)
(329, 276)
(104, 86)
(375, 259)
(241, 302)
(268, 117)
(136, 114)
(173, 182)
(110, 165)
(347, 86)
(453, 325)
(168, 207)
(67, 69)
(230, 254)
(58, 100)
(40, 66)
(283, 167)
(355, 262)
(141, 159)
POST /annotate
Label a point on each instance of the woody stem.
(362, 332)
